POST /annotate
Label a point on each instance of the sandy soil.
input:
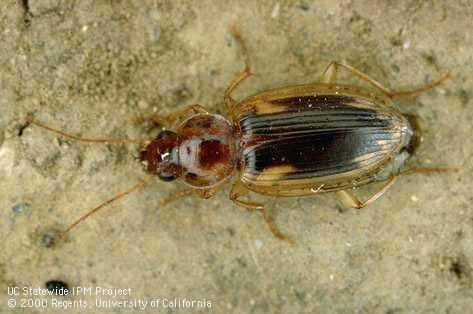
(93, 67)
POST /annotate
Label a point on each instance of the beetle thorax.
(207, 150)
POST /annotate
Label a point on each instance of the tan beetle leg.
(352, 201)
(428, 170)
(330, 74)
(239, 190)
(333, 66)
(229, 101)
(175, 196)
(205, 194)
(171, 118)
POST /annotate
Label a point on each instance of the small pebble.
(142, 104)
(58, 287)
(19, 208)
(258, 244)
(275, 12)
(157, 33)
(48, 240)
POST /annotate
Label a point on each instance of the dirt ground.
(93, 67)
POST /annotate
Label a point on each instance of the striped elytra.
(291, 144)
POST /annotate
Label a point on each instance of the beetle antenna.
(141, 185)
(83, 139)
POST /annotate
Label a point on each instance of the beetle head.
(161, 156)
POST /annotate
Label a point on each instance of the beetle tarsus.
(273, 228)
(229, 101)
(330, 74)
(428, 170)
(352, 201)
(238, 191)
(175, 196)
(422, 89)
(170, 119)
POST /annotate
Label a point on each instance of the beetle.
(289, 141)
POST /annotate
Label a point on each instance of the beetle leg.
(170, 119)
(351, 200)
(180, 114)
(175, 196)
(334, 65)
(205, 194)
(422, 89)
(208, 193)
(330, 73)
(237, 191)
(229, 101)
(428, 170)
(381, 87)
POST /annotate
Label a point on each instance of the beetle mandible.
(289, 141)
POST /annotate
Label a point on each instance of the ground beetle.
(290, 141)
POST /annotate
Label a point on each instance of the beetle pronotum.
(289, 141)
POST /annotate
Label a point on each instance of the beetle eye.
(165, 135)
(167, 176)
